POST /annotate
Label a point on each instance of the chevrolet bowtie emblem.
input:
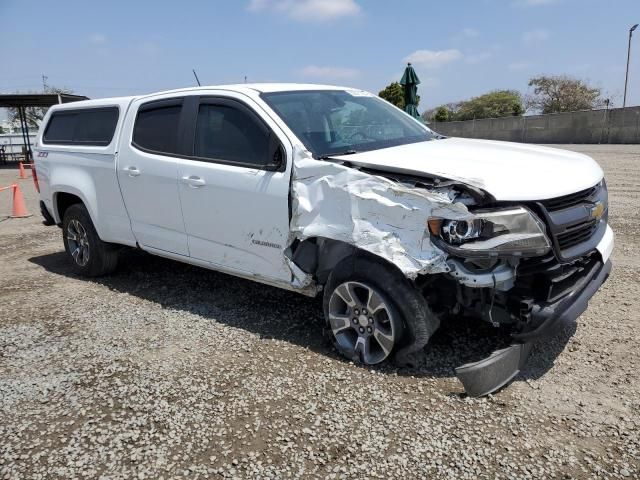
(597, 210)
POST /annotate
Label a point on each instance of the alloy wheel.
(78, 242)
(363, 324)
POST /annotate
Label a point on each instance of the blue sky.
(459, 48)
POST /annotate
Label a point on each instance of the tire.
(89, 255)
(411, 322)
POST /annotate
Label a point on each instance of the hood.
(508, 171)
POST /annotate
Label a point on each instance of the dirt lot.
(164, 370)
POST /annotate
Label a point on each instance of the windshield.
(334, 122)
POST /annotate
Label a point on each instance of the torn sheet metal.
(376, 214)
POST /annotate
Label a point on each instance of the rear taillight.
(34, 174)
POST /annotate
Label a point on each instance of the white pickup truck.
(330, 190)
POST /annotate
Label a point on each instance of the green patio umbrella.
(410, 83)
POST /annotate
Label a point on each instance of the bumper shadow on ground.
(273, 313)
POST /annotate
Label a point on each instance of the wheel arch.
(318, 256)
(64, 198)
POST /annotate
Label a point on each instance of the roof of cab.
(250, 89)
(247, 88)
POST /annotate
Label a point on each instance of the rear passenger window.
(91, 126)
(156, 127)
(229, 134)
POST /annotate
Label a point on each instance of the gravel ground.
(163, 370)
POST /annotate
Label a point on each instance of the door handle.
(132, 171)
(194, 181)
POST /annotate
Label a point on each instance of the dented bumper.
(549, 318)
(546, 320)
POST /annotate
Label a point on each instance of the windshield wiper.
(337, 154)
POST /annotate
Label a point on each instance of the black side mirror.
(275, 160)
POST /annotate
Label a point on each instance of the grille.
(577, 234)
(570, 226)
(571, 200)
(545, 279)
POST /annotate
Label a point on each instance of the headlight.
(514, 231)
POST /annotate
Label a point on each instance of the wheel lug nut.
(364, 311)
(355, 320)
(361, 329)
(369, 329)
(370, 319)
(356, 311)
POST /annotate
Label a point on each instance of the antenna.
(196, 75)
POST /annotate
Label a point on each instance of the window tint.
(94, 126)
(227, 133)
(156, 128)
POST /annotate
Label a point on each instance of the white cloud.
(535, 36)
(97, 39)
(329, 73)
(433, 58)
(308, 10)
(533, 3)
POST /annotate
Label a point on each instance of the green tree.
(442, 114)
(394, 93)
(560, 93)
(498, 103)
(1, 130)
(35, 114)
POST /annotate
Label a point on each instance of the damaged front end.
(469, 254)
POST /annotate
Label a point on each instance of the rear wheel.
(89, 255)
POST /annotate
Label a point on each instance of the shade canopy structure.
(24, 100)
(38, 99)
(410, 82)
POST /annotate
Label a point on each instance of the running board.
(494, 372)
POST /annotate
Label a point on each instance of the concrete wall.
(616, 125)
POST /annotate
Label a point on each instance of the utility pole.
(626, 77)
(45, 87)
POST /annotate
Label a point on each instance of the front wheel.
(365, 325)
(374, 313)
(89, 255)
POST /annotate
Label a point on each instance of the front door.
(235, 209)
(147, 173)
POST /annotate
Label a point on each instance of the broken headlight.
(514, 231)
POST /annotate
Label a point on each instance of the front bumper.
(546, 320)
(550, 318)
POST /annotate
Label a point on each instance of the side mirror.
(275, 160)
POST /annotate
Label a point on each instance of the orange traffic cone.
(23, 174)
(19, 207)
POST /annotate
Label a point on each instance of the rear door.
(147, 173)
(235, 206)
